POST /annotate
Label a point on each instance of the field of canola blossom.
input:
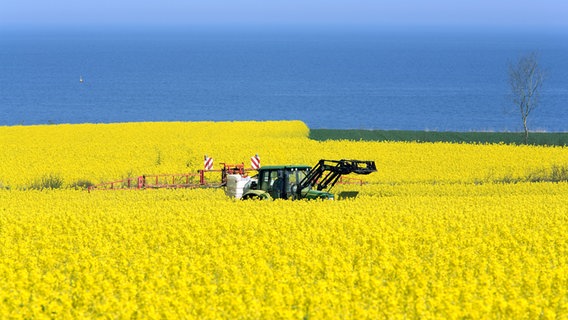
(440, 231)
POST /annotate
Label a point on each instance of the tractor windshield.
(296, 175)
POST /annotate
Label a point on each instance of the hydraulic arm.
(327, 172)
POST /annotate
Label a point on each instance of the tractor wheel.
(254, 197)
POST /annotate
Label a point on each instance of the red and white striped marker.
(207, 163)
(255, 162)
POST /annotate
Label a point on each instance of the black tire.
(252, 197)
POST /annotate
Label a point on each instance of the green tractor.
(301, 181)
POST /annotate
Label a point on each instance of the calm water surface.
(351, 80)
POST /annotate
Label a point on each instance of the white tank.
(236, 185)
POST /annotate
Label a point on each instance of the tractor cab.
(281, 182)
(277, 180)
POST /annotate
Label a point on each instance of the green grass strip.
(535, 138)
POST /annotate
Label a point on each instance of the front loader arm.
(326, 173)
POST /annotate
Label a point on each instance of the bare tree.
(526, 77)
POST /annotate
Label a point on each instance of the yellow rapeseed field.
(441, 231)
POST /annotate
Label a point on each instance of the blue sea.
(405, 80)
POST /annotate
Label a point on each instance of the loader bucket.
(363, 167)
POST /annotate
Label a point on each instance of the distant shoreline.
(535, 138)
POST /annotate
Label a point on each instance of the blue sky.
(547, 14)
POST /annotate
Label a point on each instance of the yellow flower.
(440, 231)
